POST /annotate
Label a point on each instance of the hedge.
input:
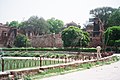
(50, 49)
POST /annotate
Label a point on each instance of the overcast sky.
(66, 10)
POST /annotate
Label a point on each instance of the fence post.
(94, 56)
(40, 61)
(89, 57)
(65, 59)
(2, 64)
(83, 57)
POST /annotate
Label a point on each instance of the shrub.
(51, 49)
(21, 41)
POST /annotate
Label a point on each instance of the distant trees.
(35, 24)
(74, 36)
(114, 19)
(103, 13)
(55, 25)
(40, 26)
(13, 24)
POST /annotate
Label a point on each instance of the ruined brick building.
(7, 35)
(49, 40)
(96, 30)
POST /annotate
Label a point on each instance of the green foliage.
(13, 24)
(74, 36)
(86, 39)
(55, 25)
(51, 49)
(103, 13)
(27, 78)
(21, 41)
(86, 65)
(112, 36)
(70, 36)
(117, 43)
(114, 19)
(115, 58)
(36, 54)
(35, 25)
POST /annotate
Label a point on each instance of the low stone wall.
(4, 75)
(75, 63)
(27, 71)
(19, 73)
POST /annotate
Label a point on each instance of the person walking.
(98, 52)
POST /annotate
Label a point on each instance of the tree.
(36, 25)
(112, 36)
(86, 39)
(117, 45)
(7, 23)
(103, 13)
(74, 36)
(69, 36)
(22, 41)
(114, 19)
(55, 25)
(13, 24)
(24, 26)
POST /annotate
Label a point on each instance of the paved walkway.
(107, 72)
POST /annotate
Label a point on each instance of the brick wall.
(7, 35)
(49, 40)
(3, 34)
